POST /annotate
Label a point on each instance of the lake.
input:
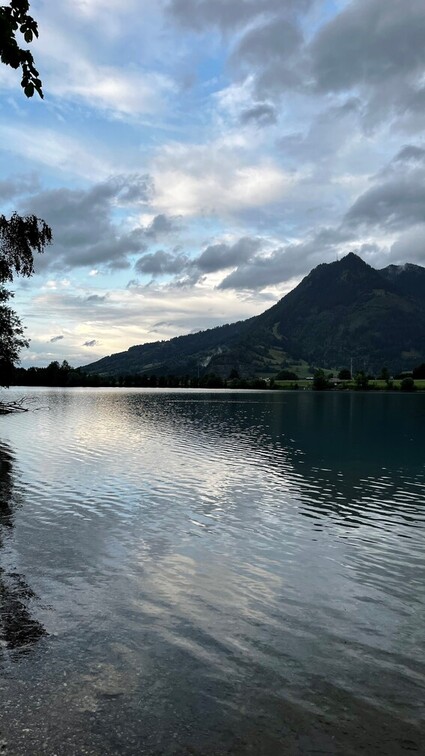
(193, 572)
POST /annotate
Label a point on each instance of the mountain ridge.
(341, 311)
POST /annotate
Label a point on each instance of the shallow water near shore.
(194, 572)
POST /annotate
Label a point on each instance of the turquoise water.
(188, 572)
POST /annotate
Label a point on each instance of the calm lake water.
(212, 573)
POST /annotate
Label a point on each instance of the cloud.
(270, 52)
(370, 42)
(286, 262)
(91, 343)
(270, 43)
(18, 186)
(84, 231)
(398, 202)
(167, 312)
(214, 258)
(95, 298)
(74, 69)
(56, 338)
(409, 247)
(410, 153)
(161, 263)
(162, 225)
(372, 49)
(293, 142)
(260, 272)
(221, 256)
(214, 179)
(64, 154)
(125, 92)
(328, 132)
(229, 14)
(261, 114)
(376, 47)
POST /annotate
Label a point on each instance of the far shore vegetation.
(63, 375)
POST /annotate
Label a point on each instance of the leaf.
(28, 36)
(29, 90)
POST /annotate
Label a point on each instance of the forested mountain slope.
(341, 311)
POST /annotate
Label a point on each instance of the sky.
(196, 158)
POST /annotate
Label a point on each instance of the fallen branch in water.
(6, 408)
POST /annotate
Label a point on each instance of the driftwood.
(6, 408)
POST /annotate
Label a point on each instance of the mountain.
(341, 311)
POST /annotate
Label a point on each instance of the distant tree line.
(62, 374)
(361, 381)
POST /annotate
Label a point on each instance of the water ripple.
(209, 571)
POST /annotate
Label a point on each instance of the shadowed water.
(212, 573)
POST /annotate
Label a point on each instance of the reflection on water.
(219, 573)
(18, 628)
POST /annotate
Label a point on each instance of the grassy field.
(373, 385)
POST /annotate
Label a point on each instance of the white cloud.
(214, 179)
(73, 70)
(93, 9)
(124, 92)
(52, 149)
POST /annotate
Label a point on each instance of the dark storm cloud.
(261, 113)
(229, 14)
(85, 232)
(55, 339)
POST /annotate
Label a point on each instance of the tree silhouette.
(15, 18)
(20, 236)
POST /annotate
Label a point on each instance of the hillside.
(340, 311)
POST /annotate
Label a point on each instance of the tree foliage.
(419, 371)
(15, 18)
(344, 374)
(12, 338)
(20, 238)
(408, 384)
(320, 382)
(361, 380)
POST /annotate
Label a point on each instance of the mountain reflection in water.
(226, 573)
